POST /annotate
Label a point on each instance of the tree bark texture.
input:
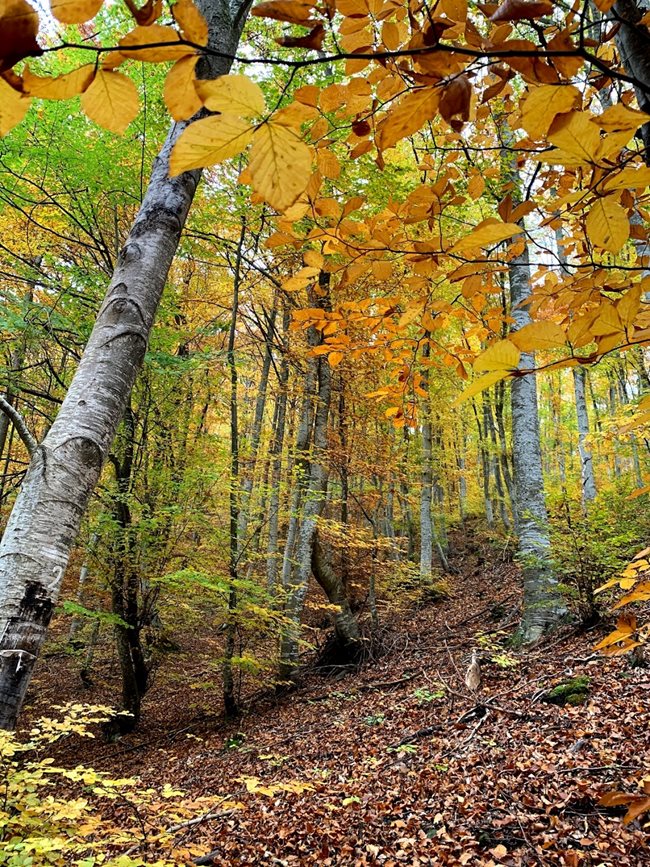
(586, 462)
(66, 466)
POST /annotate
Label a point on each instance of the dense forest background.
(327, 520)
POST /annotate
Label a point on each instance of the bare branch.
(20, 425)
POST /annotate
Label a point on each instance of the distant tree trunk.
(234, 538)
(275, 456)
(543, 605)
(296, 582)
(63, 473)
(345, 623)
(125, 589)
(426, 493)
(77, 621)
(586, 462)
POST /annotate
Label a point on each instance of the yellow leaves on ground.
(487, 233)
(209, 141)
(542, 104)
(75, 11)
(179, 92)
(18, 29)
(407, 116)
(607, 225)
(232, 94)
(61, 86)
(13, 107)
(280, 161)
(280, 164)
(111, 101)
(502, 355)
(538, 335)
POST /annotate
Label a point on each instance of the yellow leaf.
(629, 178)
(13, 107)
(179, 92)
(335, 358)
(486, 234)
(628, 306)
(61, 86)
(111, 100)
(502, 355)
(132, 45)
(313, 258)
(280, 164)
(481, 384)
(542, 104)
(390, 35)
(232, 94)
(607, 320)
(75, 11)
(407, 115)
(607, 225)
(190, 21)
(208, 141)
(575, 134)
(620, 117)
(538, 335)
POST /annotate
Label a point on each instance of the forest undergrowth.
(398, 762)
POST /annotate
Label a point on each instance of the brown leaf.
(455, 100)
(314, 39)
(522, 10)
(147, 14)
(18, 29)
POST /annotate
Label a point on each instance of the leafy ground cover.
(399, 763)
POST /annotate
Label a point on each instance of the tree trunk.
(346, 627)
(63, 473)
(586, 462)
(297, 581)
(275, 456)
(543, 606)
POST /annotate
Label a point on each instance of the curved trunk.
(346, 627)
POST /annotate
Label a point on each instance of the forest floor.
(399, 763)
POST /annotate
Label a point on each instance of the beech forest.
(324, 433)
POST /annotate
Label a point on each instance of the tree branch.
(20, 425)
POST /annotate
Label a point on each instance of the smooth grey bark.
(275, 456)
(586, 462)
(543, 605)
(296, 578)
(250, 463)
(346, 627)
(426, 491)
(633, 42)
(65, 468)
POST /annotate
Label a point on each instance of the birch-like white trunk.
(45, 520)
(586, 462)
